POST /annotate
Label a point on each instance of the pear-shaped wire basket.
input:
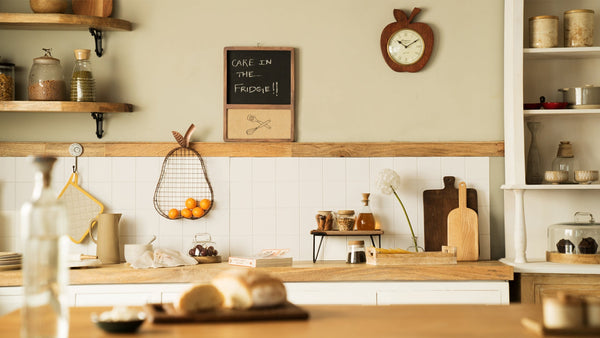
(183, 176)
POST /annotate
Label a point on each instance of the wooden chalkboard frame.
(282, 116)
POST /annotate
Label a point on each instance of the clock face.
(406, 47)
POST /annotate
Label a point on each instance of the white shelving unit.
(528, 74)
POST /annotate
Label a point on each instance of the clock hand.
(411, 43)
(400, 42)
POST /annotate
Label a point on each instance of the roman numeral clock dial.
(406, 46)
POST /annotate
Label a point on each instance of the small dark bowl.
(124, 326)
(532, 105)
(555, 105)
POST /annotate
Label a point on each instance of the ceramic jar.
(543, 31)
(48, 6)
(46, 79)
(579, 28)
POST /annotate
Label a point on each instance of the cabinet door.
(443, 293)
(535, 286)
(11, 298)
(111, 295)
(331, 293)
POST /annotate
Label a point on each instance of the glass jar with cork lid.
(345, 220)
(83, 85)
(7, 81)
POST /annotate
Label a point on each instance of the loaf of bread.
(248, 288)
(198, 298)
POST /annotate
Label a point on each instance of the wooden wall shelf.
(263, 149)
(61, 22)
(64, 106)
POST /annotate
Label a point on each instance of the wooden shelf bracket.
(97, 34)
(99, 117)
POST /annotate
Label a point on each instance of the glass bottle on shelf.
(83, 85)
(565, 160)
(365, 219)
(45, 311)
(534, 173)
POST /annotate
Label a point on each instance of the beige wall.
(170, 68)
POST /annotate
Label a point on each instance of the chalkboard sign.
(259, 76)
(258, 94)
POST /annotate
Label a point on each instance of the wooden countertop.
(301, 271)
(333, 321)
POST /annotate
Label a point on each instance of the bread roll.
(247, 288)
(200, 298)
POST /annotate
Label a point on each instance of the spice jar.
(579, 28)
(356, 252)
(83, 85)
(345, 220)
(543, 31)
(46, 79)
(325, 220)
(7, 81)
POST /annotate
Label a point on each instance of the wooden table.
(333, 321)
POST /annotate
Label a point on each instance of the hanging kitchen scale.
(183, 176)
(82, 207)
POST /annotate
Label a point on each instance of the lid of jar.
(47, 59)
(82, 54)
(356, 243)
(346, 212)
(541, 17)
(579, 11)
(565, 149)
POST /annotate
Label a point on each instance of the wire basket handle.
(184, 141)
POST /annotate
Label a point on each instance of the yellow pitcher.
(107, 244)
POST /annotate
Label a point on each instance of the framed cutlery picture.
(258, 94)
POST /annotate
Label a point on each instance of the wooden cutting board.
(166, 313)
(102, 8)
(437, 204)
(463, 228)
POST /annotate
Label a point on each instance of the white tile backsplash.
(258, 202)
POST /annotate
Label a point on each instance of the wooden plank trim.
(263, 149)
(61, 21)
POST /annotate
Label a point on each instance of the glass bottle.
(365, 219)
(45, 270)
(46, 79)
(565, 160)
(83, 85)
(534, 174)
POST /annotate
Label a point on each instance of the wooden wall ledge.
(260, 149)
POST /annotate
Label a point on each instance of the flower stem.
(408, 219)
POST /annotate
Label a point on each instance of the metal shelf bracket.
(99, 117)
(97, 34)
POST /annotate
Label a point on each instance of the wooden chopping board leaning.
(437, 204)
(463, 228)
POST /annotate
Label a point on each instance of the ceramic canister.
(579, 28)
(543, 31)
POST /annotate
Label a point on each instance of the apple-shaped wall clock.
(406, 46)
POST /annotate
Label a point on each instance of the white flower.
(388, 181)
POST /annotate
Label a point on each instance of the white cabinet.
(528, 74)
(301, 293)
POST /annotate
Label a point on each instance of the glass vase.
(412, 247)
(534, 173)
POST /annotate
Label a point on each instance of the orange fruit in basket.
(190, 203)
(187, 213)
(204, 204)
(197, 212)
(173, 213)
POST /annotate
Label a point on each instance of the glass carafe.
(45, 311)
(365, 219)
(565, 160)
(534, 173)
